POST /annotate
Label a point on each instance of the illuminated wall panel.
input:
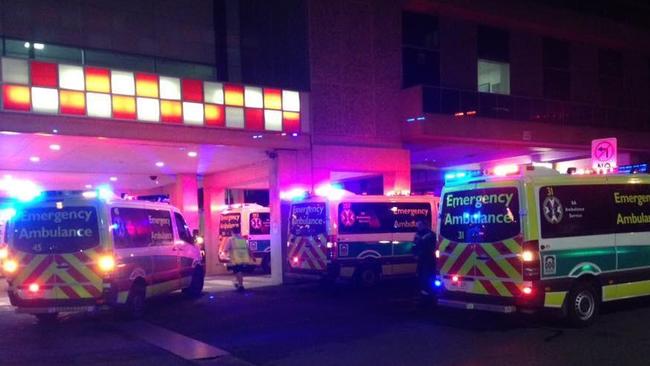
(192, 90)
(170, 88)
(215, 115)
(146, 85)
(273, 98)
(171, 111)
(273, 120)
(234, 95)
(71, 77)
(72, 102)
(193, 113)
(253, 97)
(213, 92)
(98, 80)
(98, 105)
(234, 117)
(16, 97)
(15, 71)
(290, 101)
(254, 119)
(123, 107)
(122, 83)
(291, 122)
(44, 74)
(45, 100)
(148, 109)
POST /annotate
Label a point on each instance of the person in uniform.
(240, 256)
(424, 251)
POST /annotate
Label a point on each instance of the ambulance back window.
(259, 223)
(228, 222)
(308, 218)
(480, 215)
(381, 217)
(52, 230)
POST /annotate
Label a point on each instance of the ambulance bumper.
(39, 306)
(477, 306)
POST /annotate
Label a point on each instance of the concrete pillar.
(276, 222)
(213, 199)
(184, 196)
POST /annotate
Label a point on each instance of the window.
(610, 78)
(493, 77)
(493, 44)
(260, 223)
(557, 74)
(420, 44)
(184, 231)
(419, 30)
(229, 222)
(57, 53)
(381, 217)
(308, 219)
(137, 228)
(16, 48)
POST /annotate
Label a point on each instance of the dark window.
(381, 217)
(136, 227)
(15, 48)
(308, 219)
(481, 215)
(420, 30)
(557, 84)
(184, 231)
(493, 44)
(610, 63)
(557, 75)
(556, 54)
(52, 230)
(50, 52)
(567, 211)
(420, 67)
(259, 223)
(228, 222)
(120, 61)
(185, 69)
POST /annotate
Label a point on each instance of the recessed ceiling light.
(160, 164)
(113, 179)
(192, 154)
(89, 186)
(55, 147)
(9, 133)
(34, 159)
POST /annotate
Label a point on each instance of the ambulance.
(541, 240)
(84, 251)
(356, 237)
(254, 222)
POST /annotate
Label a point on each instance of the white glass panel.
(98, 105)
(170, 88)
(272, 120)
(290, 101)
(15, 71)
(45, 100)
(234, 117)
(213, 92)
(71, 77)
(148, 109)
(193, 113)
(493, 77)
(253, 97)
(122, 82)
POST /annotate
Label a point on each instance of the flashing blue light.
(437, 283)
(633, 169)
(7, 213)
(105, 193)
(449, 176)
(462, 174)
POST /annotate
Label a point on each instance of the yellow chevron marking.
(72, 283)
(31, 266)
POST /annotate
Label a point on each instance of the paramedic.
(240, 256)
(424, 251)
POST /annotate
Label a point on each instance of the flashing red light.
(454, 278)
(527, 290)
(459, 114)
(295, 259)
(34, 287)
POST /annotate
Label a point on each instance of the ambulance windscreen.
(53, 230)
(480, 216)
(308, 219)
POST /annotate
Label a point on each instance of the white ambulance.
(254, 222)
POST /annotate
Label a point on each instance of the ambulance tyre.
(582, 304)
(367, 275)
(135, 302)
(195, 289)
(47, 318)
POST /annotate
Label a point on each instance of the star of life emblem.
(553, 210)
(348, 217)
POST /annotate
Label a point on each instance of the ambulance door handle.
(63, 266)
(482, 258)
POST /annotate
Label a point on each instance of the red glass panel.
(44, 74)
(254, 119)
(192, 90)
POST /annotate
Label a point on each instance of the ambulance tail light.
(332, 247)
(530, 260)
(106, 263)
(10, 266)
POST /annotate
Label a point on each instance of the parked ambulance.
(73, 251)
(254, 222)
(356, 237)
(541, 240)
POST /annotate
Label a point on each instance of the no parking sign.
(604, 154)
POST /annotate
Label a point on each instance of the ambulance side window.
(184, 231)
(138, 228)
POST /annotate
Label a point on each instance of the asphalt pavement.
(305, 323)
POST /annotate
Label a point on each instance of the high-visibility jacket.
(239, 253)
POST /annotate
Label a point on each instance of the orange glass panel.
(171, 111)
(72, 102)
(123, 107)
(234, 95)
(291, 122)
(146, 85)
(214, 115)
(98, 80)
(272, 98)
(16, 97)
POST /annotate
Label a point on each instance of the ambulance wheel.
(366, 276)
(582, 305)
(266, 264)
(135, 302)
(196, 286)
(47, 318)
